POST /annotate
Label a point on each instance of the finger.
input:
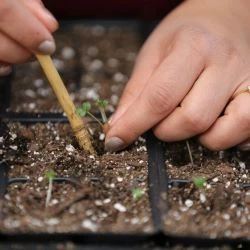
(200, 107)
(11, 52)
(5, 69)
(164, 91)
(43, 14)
(232, 128)
(18, 22)
(153, 52)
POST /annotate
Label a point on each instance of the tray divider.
(157, 180)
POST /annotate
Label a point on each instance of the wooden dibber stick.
(76, 122)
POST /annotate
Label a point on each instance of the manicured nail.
(114, 144)
(244, 146)
(47, 47)
(5, 70)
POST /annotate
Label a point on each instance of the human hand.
(25, 28)
(185, 76)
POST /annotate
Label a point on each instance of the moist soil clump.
(99, 200)
(219, 209)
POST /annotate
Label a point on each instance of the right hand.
(25, 28)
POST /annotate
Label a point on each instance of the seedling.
(137, 193)
(190, 153)
(85, 108)
(199, 182)
(50, 175)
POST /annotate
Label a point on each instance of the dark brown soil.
(95, 61)
(222, 207)
(101, 201)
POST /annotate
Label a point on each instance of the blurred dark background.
(123, 9)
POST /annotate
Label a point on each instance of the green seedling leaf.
(84, 109)
(137, 193)
(50, 174)
(102, 103)
(199, 181)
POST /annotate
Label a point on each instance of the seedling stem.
(50, 174)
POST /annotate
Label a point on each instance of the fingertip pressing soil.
(221, 208)
(100, 201)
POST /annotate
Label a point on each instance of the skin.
(24, 25)
(185, 76)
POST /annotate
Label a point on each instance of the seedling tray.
(158, 184)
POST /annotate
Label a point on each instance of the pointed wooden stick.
(77, 123)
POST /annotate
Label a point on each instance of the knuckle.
(197, 38)
(195, 121)
(160, 100)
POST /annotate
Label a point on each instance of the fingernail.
(244, 146)
(47, 47)
(5, 70)
(114, 144)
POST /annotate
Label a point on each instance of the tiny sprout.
(102, 104)
(50, 174)
(84, 110)
(137, 193)
(199, 181)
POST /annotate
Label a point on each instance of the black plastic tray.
(158, 183)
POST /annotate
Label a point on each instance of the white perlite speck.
(189, 203)
(13, 147)
(40, 179)
(98, 203)
(227, 184)
(216, 179)
(70, 148)
(106, 201)
(89, 225)
(52, 221)
(119, 179)
(242, 165)
(1, 139)
(101, 136)
(226, 216)
(202, 198)
(68, 53)
(13, 136)
(118, 206)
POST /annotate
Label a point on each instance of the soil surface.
(222, 207)
(95, 62)
(101, 200)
